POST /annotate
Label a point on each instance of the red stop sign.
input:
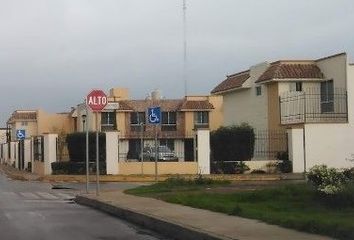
(96, 100)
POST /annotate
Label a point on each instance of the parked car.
(164, 154)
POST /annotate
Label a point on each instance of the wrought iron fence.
(313, 106)
(62, 149)
(269, 144)
(38, 148)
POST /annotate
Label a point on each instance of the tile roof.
(165, 104)
(232, 81)
(23, 116)
(142, 105)
(289, 70)
(196, 105)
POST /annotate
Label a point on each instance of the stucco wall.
(38, 168)
(128, 168)
(244, 106)
(216, 116)
(53, 123)
(335, 68)
(30, 129)
(330, 144)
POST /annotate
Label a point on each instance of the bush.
(76, 168)
(285, 165)
(229, 167)
(258, 171)
(329, 180)
(77, 146)
(234, 143)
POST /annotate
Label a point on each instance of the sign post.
(154, 117)
(96, 100)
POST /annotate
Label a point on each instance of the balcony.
(313, 107)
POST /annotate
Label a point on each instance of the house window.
(259, 91)
(108, 121)
(170, 143)
(201, 119)
(298, 86)
(24, 123)
(327, 96)
(169, 121)
(136, 118)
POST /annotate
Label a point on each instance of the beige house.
(38, 122)
(180, 119)
(307, 95)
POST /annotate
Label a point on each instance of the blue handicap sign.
(154, 115)
(21, 134)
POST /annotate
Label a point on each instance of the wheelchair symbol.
(154, 115)
(20, 134)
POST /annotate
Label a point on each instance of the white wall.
(50, 152)
(27, 152)
(335, 68)
(244, 106)
(329, 144)
(296, 149)
(112, 166)
(203, 151)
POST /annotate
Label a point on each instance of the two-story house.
(309, 98)
(179, 120)
(37, 122)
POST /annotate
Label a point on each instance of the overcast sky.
(52, 52)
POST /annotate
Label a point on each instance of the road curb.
(164, 227)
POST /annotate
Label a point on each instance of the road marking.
(9, 216)
(65, 196)
(47, 195)
(10, 194)
(45, 201)
(29, 195)
(36, 214)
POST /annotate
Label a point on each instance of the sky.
(53, 52)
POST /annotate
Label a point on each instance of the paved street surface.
(33, 210)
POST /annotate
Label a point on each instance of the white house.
(311, 99)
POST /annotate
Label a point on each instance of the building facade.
(307, 98)
(180, 118)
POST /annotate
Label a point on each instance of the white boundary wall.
(112, 166)
(203, 151)
(50, 152)
(27, 152)
(329, 144)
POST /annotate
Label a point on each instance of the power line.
(185, 48)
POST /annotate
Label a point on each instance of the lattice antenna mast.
(185, 47)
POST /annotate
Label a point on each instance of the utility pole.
(185, 47)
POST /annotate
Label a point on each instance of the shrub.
(234, 143)
(79, 168)
(77, 146)
(241, 167)
(328, 180)
(229, 167)
(285, 165)
(258, 171)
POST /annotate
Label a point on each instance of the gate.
(21, 154)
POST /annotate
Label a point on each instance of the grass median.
(295, 206)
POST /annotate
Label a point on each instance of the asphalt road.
(33, 210)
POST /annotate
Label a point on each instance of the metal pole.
(156, 154)
(97, 159)
(87, 152)
(142, 148)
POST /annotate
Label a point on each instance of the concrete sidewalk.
(181, 222)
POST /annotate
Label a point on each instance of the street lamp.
(85, 127)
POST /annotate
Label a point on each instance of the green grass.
(294, 206)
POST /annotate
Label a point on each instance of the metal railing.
(313, 107)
